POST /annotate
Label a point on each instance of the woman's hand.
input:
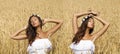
(44, 21)
(93, 13)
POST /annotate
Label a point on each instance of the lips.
(34, 24)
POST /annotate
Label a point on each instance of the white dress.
(83, 47)
(40, 46)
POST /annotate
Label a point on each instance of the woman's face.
(91, 23)
(35, 22)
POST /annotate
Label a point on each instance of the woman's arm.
(102, 30)
(76, 16)
(55, 28)
(16, 35)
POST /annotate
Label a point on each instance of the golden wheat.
(14, 15)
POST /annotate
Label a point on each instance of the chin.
(34, 26)
(91, 27)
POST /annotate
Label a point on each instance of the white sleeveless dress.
(40, 46)
(83, 47)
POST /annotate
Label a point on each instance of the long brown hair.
(82, 29)
(31, 31)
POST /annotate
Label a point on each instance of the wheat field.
(14, 15)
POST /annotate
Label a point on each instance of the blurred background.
(14, 15)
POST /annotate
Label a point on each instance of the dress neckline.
(86, 40)
(41, 38)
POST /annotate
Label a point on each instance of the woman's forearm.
(53, 21)
(102, 30)
(101, 20)
(81, 14)
(54, 28)
(18, 32)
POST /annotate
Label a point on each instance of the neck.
(38, 30)
(87, 32)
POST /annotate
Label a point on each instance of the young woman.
(83, 41)
(37, 39)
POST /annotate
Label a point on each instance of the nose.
(33, 23)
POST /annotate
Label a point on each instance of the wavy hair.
(31, 31)
(81, 30)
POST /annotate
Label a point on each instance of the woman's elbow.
(12, 37)
(61, 22)
(107, 24)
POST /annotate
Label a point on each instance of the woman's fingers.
(95, 12)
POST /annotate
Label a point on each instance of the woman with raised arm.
(83, 41)
(37, 39)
